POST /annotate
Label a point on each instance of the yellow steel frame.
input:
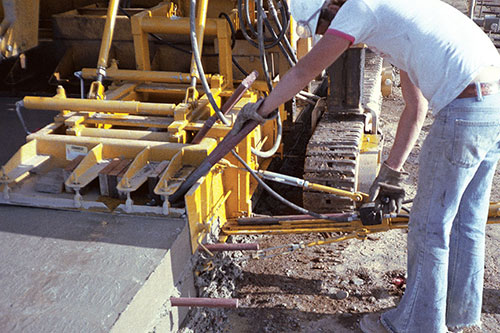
(119, 123)
(156, 20)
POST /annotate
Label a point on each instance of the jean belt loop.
(479, 96)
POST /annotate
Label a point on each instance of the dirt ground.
(329, 288)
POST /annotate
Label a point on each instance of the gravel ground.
(329, 288)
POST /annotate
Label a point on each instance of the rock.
(344, 283)
(358, 281)
(332, 290)
(372, 299)
(341, 294)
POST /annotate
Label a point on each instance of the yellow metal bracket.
(96, 91)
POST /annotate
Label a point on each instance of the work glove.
(248, 112)
(387, 191)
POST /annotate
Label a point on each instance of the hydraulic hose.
(245, 21)
(290, 61)
(197, 58)
(233, 42)
(261, 46)
(262, 51)
(274, 14)
(285, 201)
(231, 27)
(78, 74)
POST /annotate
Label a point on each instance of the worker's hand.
(386, 189)
(248, 112)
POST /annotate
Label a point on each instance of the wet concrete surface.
(74, 271)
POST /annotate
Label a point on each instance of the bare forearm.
(407, 134)
(410, 123)
(324, 53)
(291, 83)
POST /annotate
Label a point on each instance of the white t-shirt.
(441, 49)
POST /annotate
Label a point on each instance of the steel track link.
(333, 152)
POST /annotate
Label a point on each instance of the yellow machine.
(127, 145)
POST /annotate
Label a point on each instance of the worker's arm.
(410, 123)
(322, 55)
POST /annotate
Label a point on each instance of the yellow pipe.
(178, 26)
(107, 36)
(356, 196)
(140, 76)
(92, 105)
(124, 134)
(201, 20)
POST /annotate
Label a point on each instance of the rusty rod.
(204, 302)
(229, 142)
(271, 220)
(228, 106)
(232, 247)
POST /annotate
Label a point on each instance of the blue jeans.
(447, 222)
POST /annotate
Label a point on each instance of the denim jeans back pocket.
(472, 140)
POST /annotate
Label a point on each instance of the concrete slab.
(65, 271)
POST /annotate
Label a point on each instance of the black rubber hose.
(244, 21)
(280, 44)
(273, 39)
(274, 15)
(199, 65)
(243, 25)
(262, 52)
(233, 42)
(282, 33)
(247, 21)
(285, 201)
(241, 69)
(231, 27)
(262, 49)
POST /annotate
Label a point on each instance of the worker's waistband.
(479, 89)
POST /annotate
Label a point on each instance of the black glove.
(387, 191)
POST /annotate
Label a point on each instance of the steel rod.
(232, 247)
(266, 220)
(228, 106)
(141, 76)
(107, 38)
(229, 142)
(92, 105)
(204, 302)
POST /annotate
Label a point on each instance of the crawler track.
(333, 152)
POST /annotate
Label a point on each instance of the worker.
(449, 65)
